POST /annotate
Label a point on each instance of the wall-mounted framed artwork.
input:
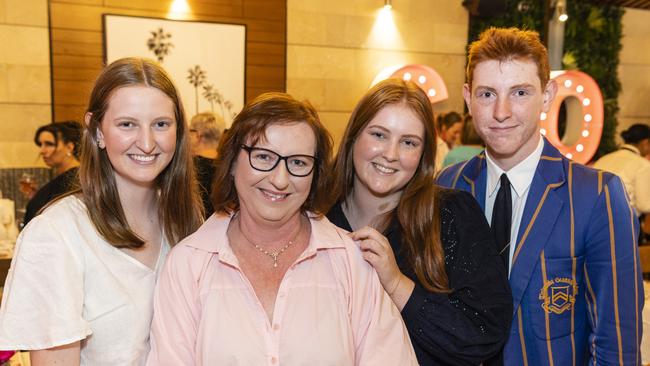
(206, 60)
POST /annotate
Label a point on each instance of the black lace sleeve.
(472, 322)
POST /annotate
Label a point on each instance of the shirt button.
(281, 294)
(274, 360)
(276, 327)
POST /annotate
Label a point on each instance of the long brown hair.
(418, 210)
(179, 208)
(251, 124)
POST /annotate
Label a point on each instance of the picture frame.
(206, 60)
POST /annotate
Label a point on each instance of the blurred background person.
(81, 283)
(470, 144)
(432, 247)
(450, 126)
(628, 162)
(268, 279)
(205, 132)
(441, 153)
(59, 147)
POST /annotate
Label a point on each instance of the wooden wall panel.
(77, 42)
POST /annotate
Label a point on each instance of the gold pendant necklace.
(273, 255)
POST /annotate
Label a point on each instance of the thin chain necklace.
(273, 255)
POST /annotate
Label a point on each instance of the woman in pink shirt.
(268, 280)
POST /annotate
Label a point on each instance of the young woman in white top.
(80, 287)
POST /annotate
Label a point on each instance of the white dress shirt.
(634, 171)
(441, 152)
(521, 177)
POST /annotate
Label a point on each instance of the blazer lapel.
(542, 209)
(474, 174)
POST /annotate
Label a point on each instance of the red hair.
(505, 44)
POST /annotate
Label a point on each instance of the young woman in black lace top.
(431, 247)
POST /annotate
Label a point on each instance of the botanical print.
(206, 60)
(159, 43)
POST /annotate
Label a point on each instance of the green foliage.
(525, 14)
(592, 42)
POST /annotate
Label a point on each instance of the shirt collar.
(520, 176)
(211, 236)
(631, 148)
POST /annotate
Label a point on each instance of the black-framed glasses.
(266, 160)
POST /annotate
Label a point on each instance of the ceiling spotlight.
(523, 6)
(388, 4)
(560, 10)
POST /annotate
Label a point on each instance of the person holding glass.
(268, 279)
(431, 247)
(80, 287)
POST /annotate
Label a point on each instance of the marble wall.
(24, 79)
(336, 48)
(634, 69)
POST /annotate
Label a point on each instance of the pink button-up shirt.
(330, 308)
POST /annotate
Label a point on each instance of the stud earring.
(101, 144)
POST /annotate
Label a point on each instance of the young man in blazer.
(566, 232)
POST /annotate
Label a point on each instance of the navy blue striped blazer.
(576, 277)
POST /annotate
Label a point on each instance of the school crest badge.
(558, 295)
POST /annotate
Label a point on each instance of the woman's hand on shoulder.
(377, 251)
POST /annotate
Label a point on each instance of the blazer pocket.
(554, 302)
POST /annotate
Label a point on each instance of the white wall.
(634, 70)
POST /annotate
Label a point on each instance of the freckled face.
(505, 102)
(387, 152)
(139, 132)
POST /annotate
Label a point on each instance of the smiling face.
(387, 152)
(275, 196)
(505, 102)
(139, 134)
